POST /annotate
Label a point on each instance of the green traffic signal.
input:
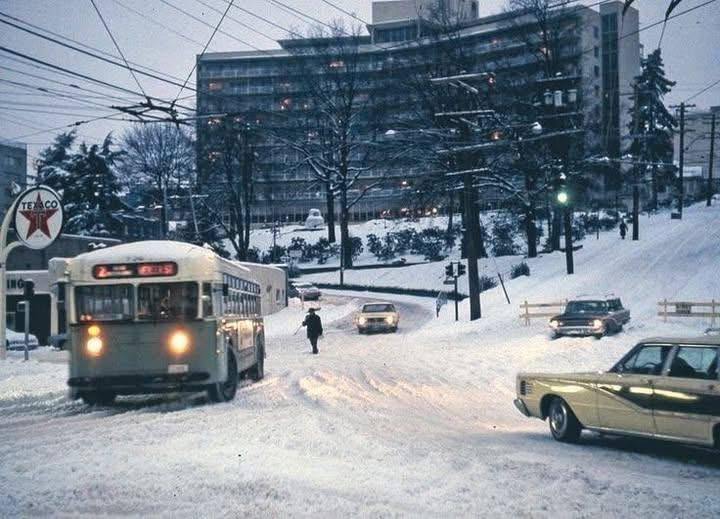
(562, 197)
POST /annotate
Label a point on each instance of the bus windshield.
(104, 302)
(167, 301)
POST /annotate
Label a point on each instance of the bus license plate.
(178, 368)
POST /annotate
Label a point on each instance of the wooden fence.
(527, 314)
(690, 309)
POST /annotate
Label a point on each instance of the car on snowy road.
(306, 291)
(379, 316)
(590, 317)
(16, 340)
(665, 388)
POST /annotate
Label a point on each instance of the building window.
(215, 85)
(597, 91)
(596, 71)
(596, 31)
(596, 51)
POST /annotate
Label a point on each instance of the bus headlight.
(179, 343)
(94, 346)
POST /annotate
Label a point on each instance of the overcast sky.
(154, 34)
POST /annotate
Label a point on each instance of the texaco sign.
(38, 217)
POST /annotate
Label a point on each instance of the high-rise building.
(598, 50)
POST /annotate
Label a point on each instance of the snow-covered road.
(418, 423)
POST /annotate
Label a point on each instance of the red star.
(38, 217)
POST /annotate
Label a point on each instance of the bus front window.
(167, 301)
(104, 303)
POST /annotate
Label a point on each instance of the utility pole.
(712, 157)
(636, 167)
(681, 160)
(466, 164)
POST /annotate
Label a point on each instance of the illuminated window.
(215, 85)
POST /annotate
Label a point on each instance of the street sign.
(38, 217)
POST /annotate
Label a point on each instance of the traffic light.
(28, 290)
(461, 269)
(449, 270)
(561, 190)
(563, 197)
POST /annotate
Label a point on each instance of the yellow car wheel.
(564, 426)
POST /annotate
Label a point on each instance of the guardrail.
(527, 315)
(690, 309)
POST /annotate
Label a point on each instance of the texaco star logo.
(38, 217)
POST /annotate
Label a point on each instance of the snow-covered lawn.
(418, 423)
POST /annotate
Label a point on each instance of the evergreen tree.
(54, 161)
(87, 184)
(653, 130)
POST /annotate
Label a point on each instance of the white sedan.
(16, 340)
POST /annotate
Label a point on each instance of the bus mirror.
(226, 289)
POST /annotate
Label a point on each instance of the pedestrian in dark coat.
(623, 229)
(314, 328)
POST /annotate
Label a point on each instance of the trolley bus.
(161, 316)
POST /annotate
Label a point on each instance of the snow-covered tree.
(652, 125)
(87, 183)
(158, 160)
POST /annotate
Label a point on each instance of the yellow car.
(380, 316)
(665, 388)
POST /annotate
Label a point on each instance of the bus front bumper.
(146, 383)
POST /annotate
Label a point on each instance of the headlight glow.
(94, 346)
(390, 319)
(597, 323)
(554, 324)
(94, 330)
(179, 343)
(362, 320)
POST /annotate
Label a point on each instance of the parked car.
(585, 317)
(58, 341)
(666, 388)
(315, 219)
(16, 340)
(379, 316)
(307, 291)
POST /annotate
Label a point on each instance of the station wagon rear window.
(104, 303)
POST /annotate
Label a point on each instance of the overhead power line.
(702, 91)
(90, 47)
(242, 24)
(117, 46)
(215, 30)
(81, 75)
(351, 15)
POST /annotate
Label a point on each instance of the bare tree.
(160, 157)
(230, 190)
(339, 136)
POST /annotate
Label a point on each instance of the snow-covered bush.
(356, 247)
(430, 243)
(521, 269)
(504, 236)
(374, 244)
(486, 283)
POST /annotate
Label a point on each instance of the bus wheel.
(98, 397)
(225, 391)
(257, 372)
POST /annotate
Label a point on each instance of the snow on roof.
(153, 250)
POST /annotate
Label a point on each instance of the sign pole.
(457, 316)
(38, 225)
(26, 309)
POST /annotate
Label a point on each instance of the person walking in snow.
(623, 229)
(314, 328)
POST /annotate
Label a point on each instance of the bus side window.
(207, 300)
